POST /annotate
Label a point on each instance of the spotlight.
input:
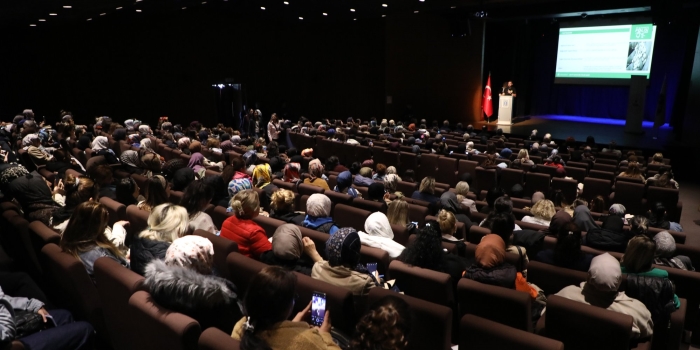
(385, 5)
(325, 14)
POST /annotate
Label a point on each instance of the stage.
(604, 130)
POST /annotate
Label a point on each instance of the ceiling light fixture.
(204, 2)
(385, 5)
(286, 2)
(352, 10)
(42, 20)
(32, 25)
(138, 10)
(184, 8)
(301, 18)
(102, 14)
(383, 15)
(415, 11)
(262, 8)
(325, 14)
(53, 14)
(119, 8)
(453, 7)
(89, 19)
(67, 6)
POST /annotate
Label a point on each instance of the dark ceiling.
(52, 12)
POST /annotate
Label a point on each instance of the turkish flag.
(487, 102)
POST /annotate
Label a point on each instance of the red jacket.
(251, 238)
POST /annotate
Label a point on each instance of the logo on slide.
(641, 32)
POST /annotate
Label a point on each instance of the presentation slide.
(604, 53)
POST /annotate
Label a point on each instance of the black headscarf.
(182, 178)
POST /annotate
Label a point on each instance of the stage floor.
(604, 130)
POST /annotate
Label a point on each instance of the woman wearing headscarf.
(489, 264)
(344, 185)
(196, 163)
(666, 253)
(601, 290)
(32, 144)
(316, 175)
(100, 147)
(183, 282)
(145, 146)
(559, 220)
(583, 218)
(130, 159)
(449, 202)
(291, 251)
(343, 268)
(262, 175)
(182, 178)
(318, 211)
(378, 234)
(291, 172)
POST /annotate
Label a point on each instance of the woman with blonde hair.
(462, 190)
(426, 191)
(524, 158)
(240, 227)
(633, 171)
(397, 213)
(657, 158)
(448, 225)
(84, 236)
(282, 207)
(166, 223)
(542, 213)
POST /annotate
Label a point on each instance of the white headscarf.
(318, 205)
(100, 143)
(380, 235)
(605, 273)
(27, 140)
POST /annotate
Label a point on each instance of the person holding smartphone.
(269, 303)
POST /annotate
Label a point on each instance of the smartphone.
(372, 267)
(451, 152)
(318, 308)
(415, 223)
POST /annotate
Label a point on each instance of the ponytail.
(249, 339)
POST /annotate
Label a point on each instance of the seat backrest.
(222, 248)
(480, 333)
(407, 160)
(546, 169)
(376, 255)
(242, 269)
(417, 213)
(347, 216)
(308, 189)
(370, 206)
(219, 215)
(630, 195)
(94, 162)
(337, 198)
(467, 166)
(428, 165)
(268, 224)
(117, 211)
(339, 301)
(485, 179)
(552, 278)
(407, 188)
(40, 235)
(568, 188)
(510, 177)
(669, 197)
(604, 167)
(431, 323)
(176, 197)
(214, 339)
(593, 187)
(160, 328)
(600, 174)
(117, 284)
(503, 305)
(138, 220)
(446, 173)
(583, 326)
(422, 283)
(72, 286)
(536, 182)
(400, 234)
(577, 173)
(319, 238)
(582, 165)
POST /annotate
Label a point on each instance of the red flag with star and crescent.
(487, 102)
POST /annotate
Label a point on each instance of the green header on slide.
(596, 31)
(599, 75)
(641, 32)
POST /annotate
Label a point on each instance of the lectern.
(505, 110)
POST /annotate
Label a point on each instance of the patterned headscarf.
(146, 144)
(665, 244)
(183, 142)
(262, 175)
(27, 140)
(287, 243)
(291, 172)
(343, 249)
(315, 169)
(130, 158)
(227, 146)
(192, 252)
(237, 185)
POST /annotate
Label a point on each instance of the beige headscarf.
(318, 205)
(287, 243)
(605, 273)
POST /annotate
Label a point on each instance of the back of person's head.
(282, 201)
(410, 174)
(568, 247)
(127, 191)
(195, 146)
(639, 225)
(355, 168)
(462, 188)
(196, 197)
(493, 194)
(85, 230)
(427, 185)
(639, 254)
(191, 252)
(503, 224)
(332, 162)
(503, 204)
(167, 222)
(78, 189)
(381, 169)
(386, 325)
(447, 221)
(238, 164)
(597, 204)
(543, 209)
(658, 211)
(268, 301)
(517, 191)
(658, 158)
(245, 204)
(397, 212)
(426, 250)
(391, 181)
(156, 191)
(151, 162)
(102, 174)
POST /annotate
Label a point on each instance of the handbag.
(26, 323)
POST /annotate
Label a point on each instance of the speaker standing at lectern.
(508, 89)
